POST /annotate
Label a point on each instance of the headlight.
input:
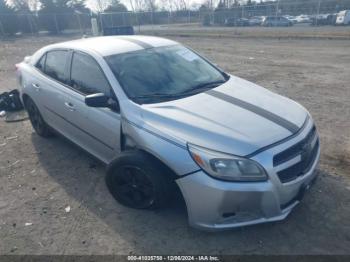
(227, 167)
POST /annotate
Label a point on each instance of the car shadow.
(167, 232)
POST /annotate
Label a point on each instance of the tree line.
(30, 16)
(54, 15)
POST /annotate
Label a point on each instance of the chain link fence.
(80, 23)
(44, 23)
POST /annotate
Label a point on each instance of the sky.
(127, 2)
(192, 2)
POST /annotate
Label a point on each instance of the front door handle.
(70, 106)
(36, 87)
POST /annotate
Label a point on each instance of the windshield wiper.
(154, 95)
(194, 90)
(203, 86)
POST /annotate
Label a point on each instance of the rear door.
(50, 85)
(95, 129)
(35, 81)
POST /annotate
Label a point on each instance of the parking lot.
(298, 31)
(53, 199)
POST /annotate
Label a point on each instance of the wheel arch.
(127, 143)
(25, 98)
(169, 172)
(176, 195)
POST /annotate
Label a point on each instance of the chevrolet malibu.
(162, 118)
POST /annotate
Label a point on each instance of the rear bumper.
(216, 205)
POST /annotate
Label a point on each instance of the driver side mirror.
(101, 100)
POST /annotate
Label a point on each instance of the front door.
(95, 129)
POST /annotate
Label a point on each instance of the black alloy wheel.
(137, 180)
(134, 188)
(38, 123)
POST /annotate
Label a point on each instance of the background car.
(255, 20)
(303, 19)
(324, 19)
(343, 18)
(237, 22)
(276, 21)
(230, 21)
(291, 18)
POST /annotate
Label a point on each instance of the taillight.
(18, 73)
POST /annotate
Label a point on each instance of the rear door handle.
(36, 87)
(70, 106)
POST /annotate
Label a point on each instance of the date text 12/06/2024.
(173, 258)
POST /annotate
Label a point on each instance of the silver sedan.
(162, 117)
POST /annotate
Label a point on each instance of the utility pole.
(318, 11)
(277, 7)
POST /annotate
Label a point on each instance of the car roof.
(111, 45)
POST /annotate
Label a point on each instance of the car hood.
(237, 117)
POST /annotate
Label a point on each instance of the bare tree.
(151, 5)
(138, 5)
(97, 6)
(167, 5)
(24, 5)
(131, 2)
(211, 4)
(180, 5)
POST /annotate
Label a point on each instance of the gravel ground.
(40, 178)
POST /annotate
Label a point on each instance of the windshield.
(163, 73)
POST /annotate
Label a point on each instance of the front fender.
(172, 154)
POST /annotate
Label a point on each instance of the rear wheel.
(38, 123)
(137, 181)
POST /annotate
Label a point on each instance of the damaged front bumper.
(216, 205)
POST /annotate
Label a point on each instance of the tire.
(136, 180)
(37, 121)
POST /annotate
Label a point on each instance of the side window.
(55, 65)
(87, 77)
(41, 63)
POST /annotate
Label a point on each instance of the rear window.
(41, 63)
(55, 65)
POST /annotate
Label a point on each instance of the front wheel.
(136, 180)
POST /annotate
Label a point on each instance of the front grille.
(294, 150)
(302, 148)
